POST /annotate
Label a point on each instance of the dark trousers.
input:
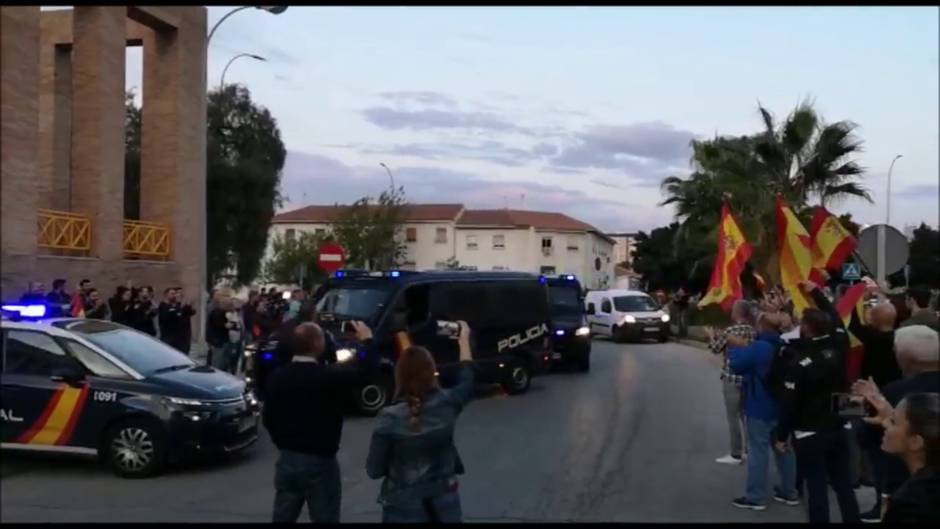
(439, 509)
(303, 478)
(823, 459)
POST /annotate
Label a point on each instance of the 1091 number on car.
(105, 396)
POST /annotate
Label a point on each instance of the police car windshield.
(564, 299)
(142, 353)
(635, 304)
(353, 303)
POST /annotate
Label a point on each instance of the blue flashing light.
(394, 273)
(543, 280)
(569, 277)
(362, 354)
(267, 356)
(339, 274)
(560, 332)
(26, 311)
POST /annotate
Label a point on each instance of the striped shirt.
(719, 345)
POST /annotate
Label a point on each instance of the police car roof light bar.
(26, 311)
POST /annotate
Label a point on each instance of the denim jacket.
(422, 464)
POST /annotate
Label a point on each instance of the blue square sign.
(851, 272)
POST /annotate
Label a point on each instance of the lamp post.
(274, 10)
(391, 178)
(888, 196)
(250, 55)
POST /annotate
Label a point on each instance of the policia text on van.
(96, 387)
(507, 311)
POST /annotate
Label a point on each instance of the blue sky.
(582, 110)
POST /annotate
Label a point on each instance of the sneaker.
(729, 460)
(872, 516)
(744, 503)
(778, 496)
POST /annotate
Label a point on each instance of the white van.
(625, 315)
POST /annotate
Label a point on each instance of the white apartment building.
(519, 240)
(624, 247)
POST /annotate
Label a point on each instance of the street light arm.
(216, 26)
(229, 63)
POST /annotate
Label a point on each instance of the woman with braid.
(413, 442)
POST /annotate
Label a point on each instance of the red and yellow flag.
(853, 301)
(832, 243)
(796, 257)
(733, 252)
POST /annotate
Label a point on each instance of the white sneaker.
(729, 460)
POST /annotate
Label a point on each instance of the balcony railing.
(146, 240)
(63, 232)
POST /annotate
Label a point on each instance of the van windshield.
(363, 304)
(565, 300)
(635, 304)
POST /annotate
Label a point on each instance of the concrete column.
(55, 122)
(97, 158)
(19, 107)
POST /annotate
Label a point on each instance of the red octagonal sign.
(331, 257)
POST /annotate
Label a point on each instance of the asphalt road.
(634, 440)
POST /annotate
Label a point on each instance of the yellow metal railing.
(61, 230)
(148, 240)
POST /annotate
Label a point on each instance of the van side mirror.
(590, 309)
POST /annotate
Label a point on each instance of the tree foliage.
(245, 158)
(924, 259)
(802, 159)
(289, 255)
(668, 266)
(370, 231)
(133, 118)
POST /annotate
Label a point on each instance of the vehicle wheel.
(135, 448)
(663, 338)
(519, 380)
(584, 363)
(370, 398)
(617, 336)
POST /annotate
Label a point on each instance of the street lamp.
(391, 178)
(888, 197)
(250, 55)
(274, 10)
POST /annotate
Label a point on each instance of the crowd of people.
(792, 390)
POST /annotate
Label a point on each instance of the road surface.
(634, 440)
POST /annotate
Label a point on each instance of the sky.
(576, 109)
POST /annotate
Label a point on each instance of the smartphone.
(846, 405)
(449, 329)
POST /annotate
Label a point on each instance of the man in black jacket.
(143, 312)
(815, 371)
(173, 318)
(303, 413)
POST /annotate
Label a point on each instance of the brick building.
(63, 169)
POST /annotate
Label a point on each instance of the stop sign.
(331, 257)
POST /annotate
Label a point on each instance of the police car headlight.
(665, 318)
(185, 402)
(629, 319)
(344, 355)
(250, 398)
(582, 331)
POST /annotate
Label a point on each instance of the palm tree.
(802, 159)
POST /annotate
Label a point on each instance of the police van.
(98, 388)
(570, 335)
(507, 313)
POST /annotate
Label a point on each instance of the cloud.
(921, 191)
(424, 98)
(488, 150)
(640, 147)
(433, 119)
(316, 179)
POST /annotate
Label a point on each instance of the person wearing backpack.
(753, 362)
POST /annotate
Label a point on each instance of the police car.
(570, 337)
(96, 387)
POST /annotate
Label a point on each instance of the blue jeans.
(302, 478)
(441, 509)
(759, 442)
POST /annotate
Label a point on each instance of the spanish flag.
(796, 257)
(832, 243)
(852, 304)
(733, 252)
(78, 306)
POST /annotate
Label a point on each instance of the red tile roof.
(514, 218)
(413, 213)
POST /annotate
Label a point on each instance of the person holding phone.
(413, 442)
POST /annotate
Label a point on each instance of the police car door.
(39, 408)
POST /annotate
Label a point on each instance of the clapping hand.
(710, 332)
(869, 390)
(807, 286)
(363, 332)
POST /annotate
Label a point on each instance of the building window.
(440, 235)
(471, 242)
(290, 235)
(547, 270)
(411, 234)
(499, 242)
(573, 243)
(546, 246)
(320, 232)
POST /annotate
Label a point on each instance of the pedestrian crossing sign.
(851, 272)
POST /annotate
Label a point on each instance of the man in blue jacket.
(752, 362)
